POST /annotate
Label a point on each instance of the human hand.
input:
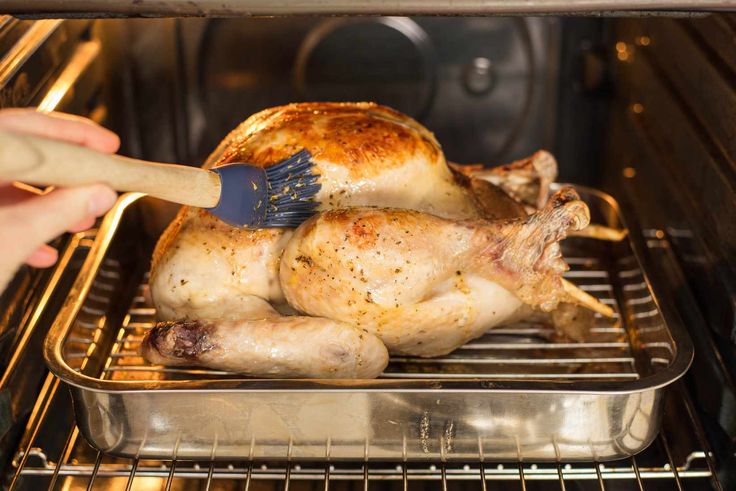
(27, 219)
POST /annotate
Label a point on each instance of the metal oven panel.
(517, 393)
(484, 86)
(229, 8)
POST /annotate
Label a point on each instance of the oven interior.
(640, 107)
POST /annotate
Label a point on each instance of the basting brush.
(282, 195)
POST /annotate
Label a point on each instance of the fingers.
(60, 126)
(11, 193)
(28, 224)
(15, 193)
(27, 220)
(43, 257)
(84, 224)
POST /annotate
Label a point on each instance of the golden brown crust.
(365, 138)
(425, 272)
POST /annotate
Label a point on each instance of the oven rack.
(53, 455)
(509, 352)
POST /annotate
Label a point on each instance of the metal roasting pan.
(521, 392)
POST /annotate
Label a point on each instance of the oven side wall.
(672, 158)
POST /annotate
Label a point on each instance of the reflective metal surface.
(22, 370)
(425, 67)
(53, 456)
(508, 396)
(681, 72)
(403, 7)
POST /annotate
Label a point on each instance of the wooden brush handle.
(35, 160)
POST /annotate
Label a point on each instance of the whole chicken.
(445, 257)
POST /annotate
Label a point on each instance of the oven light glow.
(144, 483)
(622, 51)
(82, 58)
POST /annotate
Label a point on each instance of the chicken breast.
(365, 154)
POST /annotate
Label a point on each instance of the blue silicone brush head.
(281, 196)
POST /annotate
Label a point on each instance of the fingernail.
(102, 200)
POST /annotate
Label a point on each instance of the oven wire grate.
(526, 350)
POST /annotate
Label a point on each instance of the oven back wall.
(487, 87)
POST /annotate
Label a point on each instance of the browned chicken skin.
(366, 155)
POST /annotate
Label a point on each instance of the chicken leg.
(423, 284)
(269, 346)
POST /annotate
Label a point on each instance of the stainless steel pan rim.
(57, 334)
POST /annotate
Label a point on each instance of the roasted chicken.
(446, 253)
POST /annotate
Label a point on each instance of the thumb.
(26, 225)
